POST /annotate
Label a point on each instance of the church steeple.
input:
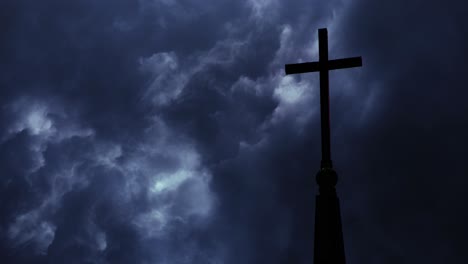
(328, 245)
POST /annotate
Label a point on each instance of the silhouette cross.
(323, 66)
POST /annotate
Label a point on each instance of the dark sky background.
(165, 131)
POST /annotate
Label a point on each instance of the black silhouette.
(329, 248)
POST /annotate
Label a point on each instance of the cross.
(323, 66)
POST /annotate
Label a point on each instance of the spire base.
(329, 245)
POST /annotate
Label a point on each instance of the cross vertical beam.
(324, 98)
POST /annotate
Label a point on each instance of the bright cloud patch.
(176, 193)
(260, 7)
(45, 119)
(31, 116)
(170, 182)
(168, 80)
(296, 100)
(290, 92)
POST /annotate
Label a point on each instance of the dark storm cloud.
(166, 131)
(408, 163)
(88, 175)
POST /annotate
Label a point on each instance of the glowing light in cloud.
(169, 182)
(31, 116)
(290, 92)
(101, 241)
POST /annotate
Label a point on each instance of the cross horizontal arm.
(315, 66)
(345, 63)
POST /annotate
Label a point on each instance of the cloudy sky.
(165, 131)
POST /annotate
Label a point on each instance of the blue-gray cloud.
(163, 131)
